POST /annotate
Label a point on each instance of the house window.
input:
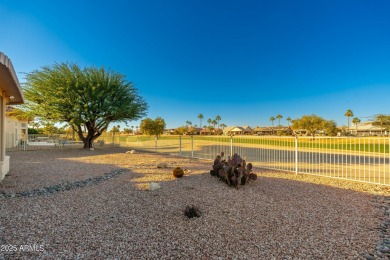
(23, 124)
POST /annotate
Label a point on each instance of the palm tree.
(380, 119)
(218, 118)
(288, 121)
(200, 116)
(348, 114)
(279, 116)
(214, 122)
(356, 121)
(222, 127)
(272, 119)
(188, 123)
(209, 121)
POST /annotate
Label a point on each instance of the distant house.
(247, 130)
(195, 131)
(169, 131)
(266, 130)
(10, 93)
(367, 129)
(207, 131)
(237, 130)
(270, 130)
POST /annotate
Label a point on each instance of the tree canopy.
(314, 123)
(153, 127)
(86, 98)
(19, 113)
(382, 121)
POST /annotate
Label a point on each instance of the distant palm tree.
(200, 116)
(348, 114)
(218, 118)
(279, 116)
(209, 121)
(380, 119)
(356, 121)
(214, 122)
(223, 126)
(288, 121)
(272, 119)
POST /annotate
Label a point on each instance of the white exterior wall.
(15, 130)
(4, 160)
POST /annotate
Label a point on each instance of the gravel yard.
(55, 204)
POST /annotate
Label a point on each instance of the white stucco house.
(10, 94)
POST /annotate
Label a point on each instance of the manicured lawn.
(376, 145)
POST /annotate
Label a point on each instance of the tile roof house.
(237, 130)
(367, 129)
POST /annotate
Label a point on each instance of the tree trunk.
(88, 142)
(92, 135)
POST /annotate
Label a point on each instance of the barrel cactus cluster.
(234, 171)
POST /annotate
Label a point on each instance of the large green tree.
(153, 127)
(314, 123)
(383, 121)
(86, 98)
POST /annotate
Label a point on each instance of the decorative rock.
(178, 172)
(154, 186)
(369, 257)
(162, 165)
(131, 151)
(385, 249)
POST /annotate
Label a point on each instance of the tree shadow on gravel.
(37, 169)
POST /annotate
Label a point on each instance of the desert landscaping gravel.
(78, 204)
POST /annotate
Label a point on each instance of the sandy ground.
(280, 216)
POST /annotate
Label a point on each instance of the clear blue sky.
(243, 60)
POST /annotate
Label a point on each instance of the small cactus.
(234, 171)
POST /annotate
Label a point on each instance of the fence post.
(231, 145)
(179, 145)
(296, 155)
(155, 144)
(192, 146)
